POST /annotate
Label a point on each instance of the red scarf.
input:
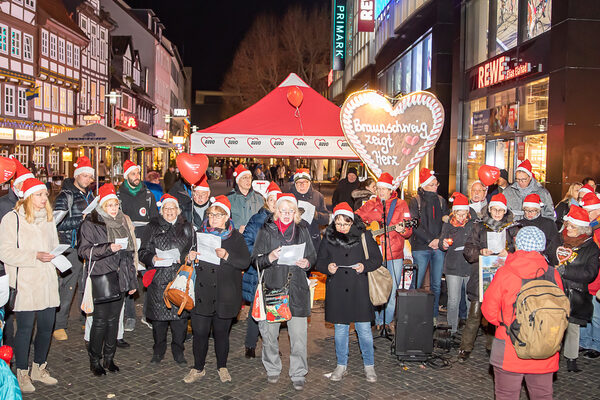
(454, 222)
(282, 227)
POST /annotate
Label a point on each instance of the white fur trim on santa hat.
(81, 170)
(291, 199)
(528, 172)
(591, 207)
(577, 222)
(302, 175)
(385, 185)
(130, 169)
(347, 213)
(33, 189)
(214, 202)
(23, 178)
(201, 188)
(497, 204)
(167, 200)
(428, 180)
(460, 207)
(532, 205)
(238, 176)
(107, 197)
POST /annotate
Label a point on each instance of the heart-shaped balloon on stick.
(192, 167)
(7, 169)
(6, 353)
(488, 174)
(392, 138)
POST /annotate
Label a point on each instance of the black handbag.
(105, 287)
(12, 295)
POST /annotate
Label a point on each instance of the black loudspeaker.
(414, 324)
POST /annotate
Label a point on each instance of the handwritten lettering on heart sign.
(392, 138)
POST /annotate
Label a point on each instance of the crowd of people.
(124, 233)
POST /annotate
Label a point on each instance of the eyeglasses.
(341, 225)
(216, 215)
(169, 208)
(522, 179)
(289, 212)
(534, 211)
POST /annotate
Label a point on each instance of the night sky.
(207, 32)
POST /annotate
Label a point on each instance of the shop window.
(538, 17)
(535, 147)
(471, 108)
(53, 159)
(39, 156)
(476, 32)
(533, 114)
(506, 27)
(22, 154)
(474, 158)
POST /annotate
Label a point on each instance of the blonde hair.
(297, 215)
(572, 193)
(217, 209)
(30, 211)
(106, 203)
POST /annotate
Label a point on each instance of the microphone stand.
(384, 332)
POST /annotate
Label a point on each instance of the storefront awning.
(152, 141)
(94, 135)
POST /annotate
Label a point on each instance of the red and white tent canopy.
(273, 128)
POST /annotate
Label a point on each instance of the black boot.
(96, 368)
(572, 365)
(109, 364)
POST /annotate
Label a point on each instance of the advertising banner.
(366, 15)
(339, 35)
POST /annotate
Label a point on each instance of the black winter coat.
(93, 234)
(139, 208)
(343, 192)
(162, 235)
(429, 210)
(477, 241)
(576, 276)
(68, 227)
(321, 217)
(219, 287)
(182, 192)
(275, 276)
(454, 262)
(553, 240)
(347, 297)
(561, 211)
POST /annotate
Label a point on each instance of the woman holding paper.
(29, 235)
(107, 244)
(221, 256)
(166, 240)
(346, 255)
(494, 234)
(279, 233)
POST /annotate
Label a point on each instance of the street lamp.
(112, 100)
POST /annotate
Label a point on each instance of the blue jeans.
(589, 336)
(365, 340)
(395, 267)
(455, 286)
(434, 258)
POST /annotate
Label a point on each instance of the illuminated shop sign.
(180, 112)
(128, 121)
(339, 35)
(502, 69)
(366, 15)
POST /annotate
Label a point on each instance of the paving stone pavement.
(68, 362)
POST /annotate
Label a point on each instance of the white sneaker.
(370, 373)
(338, 373)
(194, 375)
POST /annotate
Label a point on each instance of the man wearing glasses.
(532, 217)
(524, 185)
(477, 200)
(429, 207)
(245, 202)
(304, 192)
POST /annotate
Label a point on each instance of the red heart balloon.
(192, 167)
(6, 353)
(488, 174)
(7, 169)
(295, 96)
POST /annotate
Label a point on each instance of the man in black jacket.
(139, 204)
(73, 199)
(429, 207)
(343, 192)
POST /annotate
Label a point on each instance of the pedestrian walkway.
(68, 361)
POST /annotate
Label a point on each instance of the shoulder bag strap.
(390, 212)
(364, 245)
(90, 263)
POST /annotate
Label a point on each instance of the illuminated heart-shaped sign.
(192, 167)
(392, 138)
(563, 254)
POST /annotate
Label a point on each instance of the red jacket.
(372, 210)
(497, 306)
(595, 286)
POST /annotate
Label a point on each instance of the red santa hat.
(240, 171)
(32, 185)
(129, 166)
(525, 166)
(343, 209)
(21, 173)
(202, 185)
(302, 173)
(533, 200)
(83, 165)
(586, 189)
(223, 202)
(106, 192)
(578, 216)
(386, 181)
(460, 202)
(167, 198)
(286, 196)
(590, 202)
(426, 176)
(498, 200)
(273, 189)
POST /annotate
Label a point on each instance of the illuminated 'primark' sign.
(339, 35)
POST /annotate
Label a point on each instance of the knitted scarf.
(573, 242)
(222, 233)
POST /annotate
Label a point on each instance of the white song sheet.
(206, 246)
(290, 254)
(309, 211)
(58, 250)
(496, 241)
(61, 263)
(168, 257)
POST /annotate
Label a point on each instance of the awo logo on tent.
(207, 140)
(276, 142)
(230, 141)
(299, 142)
(319, 143)
(253, 141)
(341, 143)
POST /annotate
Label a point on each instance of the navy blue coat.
(250, 278)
